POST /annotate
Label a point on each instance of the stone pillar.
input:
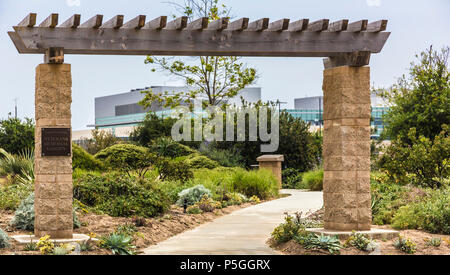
(346, 148)
(272, 162)
(53, 175)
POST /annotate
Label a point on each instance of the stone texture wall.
(53, 183)
(346, 148)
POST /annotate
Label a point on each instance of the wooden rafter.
(300, 38)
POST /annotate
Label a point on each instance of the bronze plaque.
(56, 142)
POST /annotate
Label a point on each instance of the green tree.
(424, 163)
(420, 101)
(100, 140)
(16, 135)
(152, 128)
(215, 78)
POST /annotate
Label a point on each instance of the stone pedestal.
(272, 162)
(346, 148)
(53, 175)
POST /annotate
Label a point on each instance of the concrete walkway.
(243, 232)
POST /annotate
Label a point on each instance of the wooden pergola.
(346, 48)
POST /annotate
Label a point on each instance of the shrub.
(254, 199)
(431, 213)
(152, 128)
(235, 198)
(193, 209)
(12, 194)
(120, 196)
(422, 161)
(225, 157)
(361, 242)
(16, 136)
(405, 245)
(292, 179)
(313, 241)
(24, 215)
(101, 139)
(387, 198)
(436, 242)
(83, 160)
(127, 157)
(118, 243)
(192, 195)
(45, 245)
(202, 162)
(261, 183)
(206, 204)
(313, 180)
(19, 168)
(287, 230)
(173, 171)
(4, 239)
(166, 147)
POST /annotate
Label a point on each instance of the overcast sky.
(415, 24)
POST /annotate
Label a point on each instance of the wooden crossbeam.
(377, 26)
(258, 25)
(338, 26)
(299, 25)
(279, 25)
(357, 26)
(157, 23)
(227, 42)
(136, 23)
(94, 22)
(28, 21)
(50, 22)
(353, 59)
(238, 25)
(199, 24)
(219, 24)
(116, 22)
(177, 24)
(318, 26)
(73, 22)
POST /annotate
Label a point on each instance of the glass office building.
(310, 109)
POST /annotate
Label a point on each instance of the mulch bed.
(385, 246)
(155, 230)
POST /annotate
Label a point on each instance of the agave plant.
(313, 241)
(19, 167)
(119, 243)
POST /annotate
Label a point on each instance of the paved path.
(243, 232)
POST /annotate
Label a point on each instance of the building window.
(129, 109)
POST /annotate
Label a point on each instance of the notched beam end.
(50, 22)
(299, 25)
(357, 26)
(115, 23)
(238, 25)
(28, 21)
(157, 23)
(318, 26)
(377, 26)
(199, 24)
(219, 24)
(94, 22)
(279, 25)
(177, 24)
(73, 22)
(136, 23)
(258, 25)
